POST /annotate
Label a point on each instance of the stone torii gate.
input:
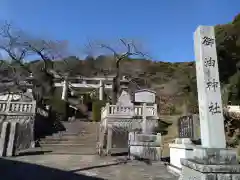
(99, 83)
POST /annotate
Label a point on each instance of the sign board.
(145, 96)
(185, 125)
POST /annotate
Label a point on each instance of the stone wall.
(2, 118)
(119, 138)
(24, 133)
(20, 135)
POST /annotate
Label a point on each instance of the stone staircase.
(78, 138)
(172, 132)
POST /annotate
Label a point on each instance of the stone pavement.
(79, 167)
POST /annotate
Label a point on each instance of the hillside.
(171, 81)
(175, 83)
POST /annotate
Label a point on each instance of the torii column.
(101, 87)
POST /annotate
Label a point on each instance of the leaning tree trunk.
(116, 84)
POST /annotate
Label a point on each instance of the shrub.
(96, 110)
(172, 109)
(58, 106)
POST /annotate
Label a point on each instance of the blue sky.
(165, 27)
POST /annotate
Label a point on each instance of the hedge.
(96, 110)
(58, 105)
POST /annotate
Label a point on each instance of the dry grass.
(173, 133)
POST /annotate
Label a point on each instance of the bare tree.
(17, 46)
(130, 50)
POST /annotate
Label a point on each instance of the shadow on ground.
(15, 170)
(95, 167)
(32, 153)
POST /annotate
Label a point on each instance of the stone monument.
(189, 127)
(212, 160)
(145, 144)
(120, 133)
(124, 99)
(183, 146)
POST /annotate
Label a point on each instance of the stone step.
(68, 146)
(75, 133)
(82, 151)
(78, 127)
(68, 132)
(67, 142)
(66, 149)
(69, 139)
(60, 150)
(72, 136)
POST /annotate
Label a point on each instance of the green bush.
(96, 110)
(172, 109)
(58, 105)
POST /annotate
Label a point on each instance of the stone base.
(135, 137)
(145, 146)
(215, 156)
(180, 151)
(143, 151)
(174, 170)
(33, 144)
(183, 141)
(192, 170)
(148, 138)
(211, 163)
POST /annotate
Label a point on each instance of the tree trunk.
(116, 84)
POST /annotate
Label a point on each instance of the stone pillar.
(209, 93)
(101, 87)
(32, 122)
(212, 160)
(8, 105)
(3, 138)
(109, 139)
(81, 99)
(11, 151)
(144, 119)
(64, 90)
(196, 127)
(101, 141)
(156, 110)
